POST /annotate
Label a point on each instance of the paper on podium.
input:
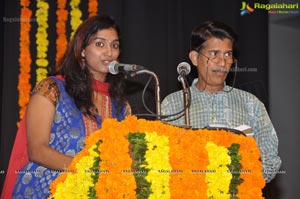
(224, 127)
(242, 129)
(247, 130)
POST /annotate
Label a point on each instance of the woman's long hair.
(78, 77)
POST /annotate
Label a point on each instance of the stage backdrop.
(155, 34)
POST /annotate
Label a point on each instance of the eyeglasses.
(215, 56)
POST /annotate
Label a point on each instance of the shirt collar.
(194, 87)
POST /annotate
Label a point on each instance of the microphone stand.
(157, 89)
(186, 98)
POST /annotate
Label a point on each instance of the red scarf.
(100, 87)
(18, 158)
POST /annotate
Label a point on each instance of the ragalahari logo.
(246, 9)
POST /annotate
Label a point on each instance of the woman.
(64, 109)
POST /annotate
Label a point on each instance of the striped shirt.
(229, 109)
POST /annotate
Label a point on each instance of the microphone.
(115, 67)
(183, 68)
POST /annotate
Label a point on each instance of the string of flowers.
(115, 184)
(42, 39)
(219, 179)
(189, 158)
(235, 168)
(79, 182)
(92, 7)
(157, 158)
(75, 15)
(251, 183)
(138, 148)
(95, 172)
(188, 152)
(24, 86)
(61, 41)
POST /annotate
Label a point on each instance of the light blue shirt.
(229, 109)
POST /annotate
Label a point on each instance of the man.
(215, 103)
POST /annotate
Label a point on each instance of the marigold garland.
(42, 39)
(92, 7)
(138, 148)
(157, 158)
(251, 183)
(235, 169)
(24, 86)
(77, 183)
(78, 180)
(189, 171)
(75, 15)
(116, 183)
(218, 179)
(95, 170)
(61, 41)
(25, 3)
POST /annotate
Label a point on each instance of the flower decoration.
(148, 159)
(251, 183)
(75, 15)
(218, 179)
(24, 86)
(235, 169)
(61, 40)
(114, 183)
(92, 7)
(157, 158)
(42, 39)
(138, 148)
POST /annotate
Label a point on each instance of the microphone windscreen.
(184, 67)
(112, 67)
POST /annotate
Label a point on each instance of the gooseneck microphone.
(183, 68)
(115, 67)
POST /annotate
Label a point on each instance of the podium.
(137, 158)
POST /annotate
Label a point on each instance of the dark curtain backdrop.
(155, 34)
